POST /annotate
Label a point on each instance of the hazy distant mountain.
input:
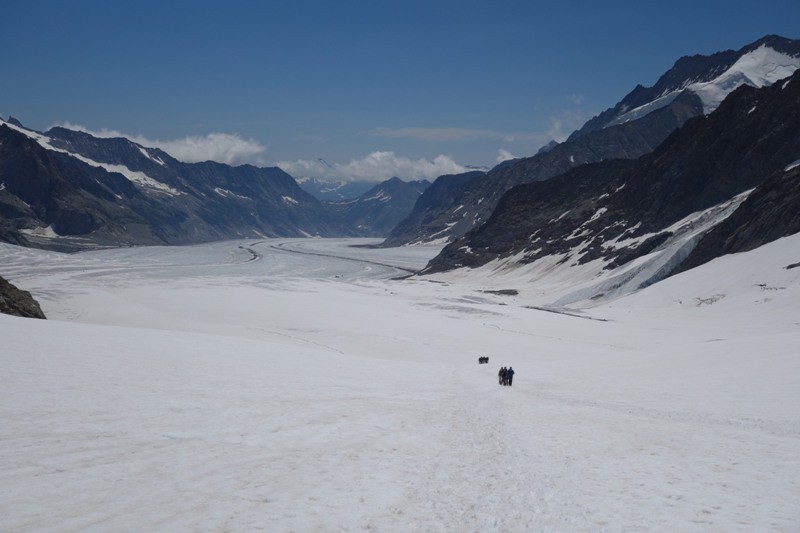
(333, 190)
(377, 211)
(723, 183)
(635, 126)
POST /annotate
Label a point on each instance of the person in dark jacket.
(509, 375)
(501, 376)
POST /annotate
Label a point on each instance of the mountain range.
(66, 189)
(723, 183)
(635, 126)
(703, 163)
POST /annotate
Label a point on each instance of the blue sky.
(373, 88)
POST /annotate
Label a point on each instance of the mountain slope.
(771, 212)
(711, 78)
(423, 223)
(632, 128)
(377, 211)
(68, 188)
(613, 214)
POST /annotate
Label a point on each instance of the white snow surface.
(761, 67)
(298, 385)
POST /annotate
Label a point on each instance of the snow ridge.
(140, 179)
(759, 68)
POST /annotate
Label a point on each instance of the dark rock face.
(41, 188)
(426, 218)
(745, 144)
(771, 212)
(536, 219)
(14, 301)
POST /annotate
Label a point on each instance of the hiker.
(509, 375)
(501, 376)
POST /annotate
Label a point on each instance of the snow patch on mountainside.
(151, 157)
(657, 265)
(641, 111)
(379, 197)
(229, 194)
(139, 178)
(759, 68)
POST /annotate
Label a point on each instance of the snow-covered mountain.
(66, 188)
(378, 210)
(710, 78)
(723, 183)
(635, 126)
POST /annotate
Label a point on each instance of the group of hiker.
(506, 376)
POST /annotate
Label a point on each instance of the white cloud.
(231, 149)
(377, 166)
(436, 134)
(504, 155)
(228, 148)
(563, 124)
(455, 134)
(577, 99)
(560, 127)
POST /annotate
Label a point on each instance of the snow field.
(197, 389)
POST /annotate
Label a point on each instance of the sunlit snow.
(761, 67)
(301, 385)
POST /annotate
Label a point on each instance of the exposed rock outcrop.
(14, 301)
